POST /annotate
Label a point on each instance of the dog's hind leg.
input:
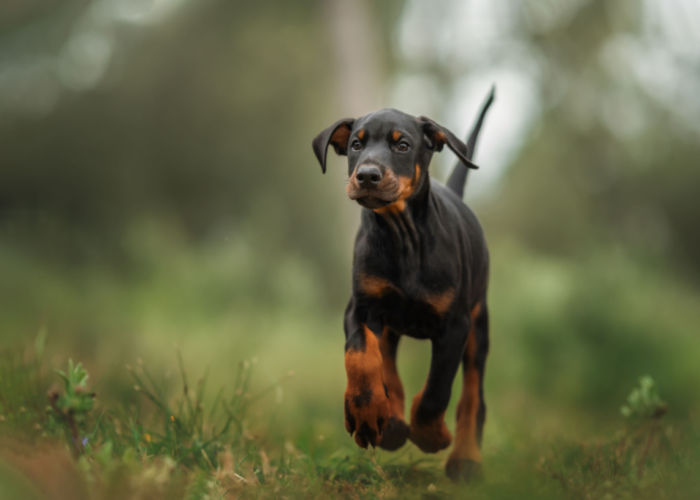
(396, 430)
(465, 460)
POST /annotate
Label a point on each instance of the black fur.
(414, 253)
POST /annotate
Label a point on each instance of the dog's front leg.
(428, 430)
(395, 431)
(367, 406)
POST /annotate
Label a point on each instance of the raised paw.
(366, 415)
(463, 469)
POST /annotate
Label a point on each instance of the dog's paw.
(463, 469)
(366, 415)
(394, 434)
(431, 435)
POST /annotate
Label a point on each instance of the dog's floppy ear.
(438, 136)
(337, 135)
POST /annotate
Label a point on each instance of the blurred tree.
(608, 163)
(609, 154)
(200, 116)
(201, 119)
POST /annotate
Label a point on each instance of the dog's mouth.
(386, 192)
(371, 198)
(373, 202)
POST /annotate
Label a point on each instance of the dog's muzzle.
(372, 186)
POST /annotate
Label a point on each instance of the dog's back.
(463, 224)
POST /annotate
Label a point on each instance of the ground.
(199, 397)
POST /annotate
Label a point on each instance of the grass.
(160, 443)
(207, 423)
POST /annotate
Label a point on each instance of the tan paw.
(432, 435)
(366, 414)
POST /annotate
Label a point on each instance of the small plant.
(629, 461)
(70, 409)
(644, 401)
(180, 441)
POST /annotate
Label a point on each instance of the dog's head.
(388, 154)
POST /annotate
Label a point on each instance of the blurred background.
(158, 191)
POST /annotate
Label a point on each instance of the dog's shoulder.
(452, 206)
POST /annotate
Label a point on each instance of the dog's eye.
(356, 145)
(402, 147)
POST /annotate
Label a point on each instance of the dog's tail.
(458, 177)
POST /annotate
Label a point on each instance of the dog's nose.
(368, 175)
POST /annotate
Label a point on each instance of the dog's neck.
(405, 223)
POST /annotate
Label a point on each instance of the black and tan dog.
(420, 269)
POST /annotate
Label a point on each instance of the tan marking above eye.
(361, 134)
(396, 135)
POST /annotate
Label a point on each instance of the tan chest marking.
(377, 287)
(442, 301)
(374, 286)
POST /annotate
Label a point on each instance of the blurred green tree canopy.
(201, 120)
(609, 151)
(608, 162)
(199, 115)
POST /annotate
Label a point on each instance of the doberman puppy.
(420, 269)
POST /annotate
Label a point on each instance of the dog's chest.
(411, 301)
(410, 286)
